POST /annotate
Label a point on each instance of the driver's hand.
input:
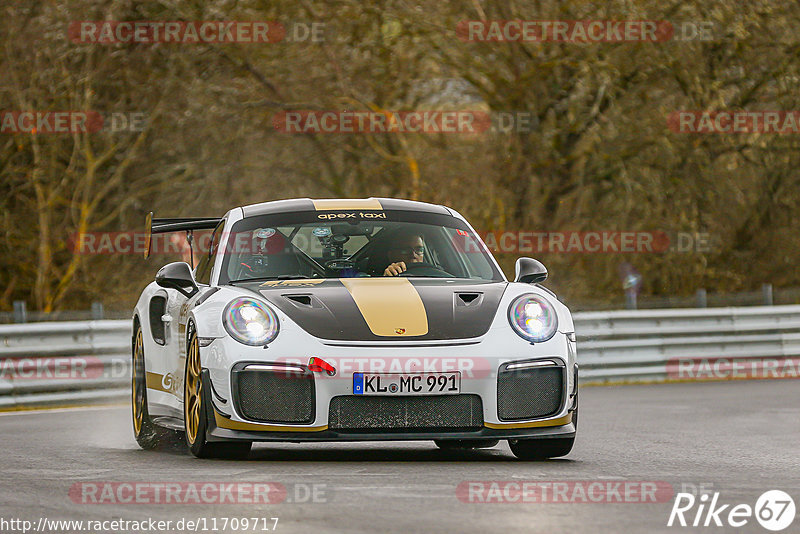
(395, 269)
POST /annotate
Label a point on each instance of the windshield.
(353, 244)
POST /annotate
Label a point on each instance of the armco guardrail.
(689, 344)
(64, 362)
(90, 361)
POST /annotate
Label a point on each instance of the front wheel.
(194, 410)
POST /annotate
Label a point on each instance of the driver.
(409, 249)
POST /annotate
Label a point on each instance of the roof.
(341, 204)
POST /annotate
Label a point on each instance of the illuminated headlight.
(533, 318)
(250, 322)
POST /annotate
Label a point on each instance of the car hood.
(386, 308)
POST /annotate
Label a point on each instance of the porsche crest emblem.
(399, 331)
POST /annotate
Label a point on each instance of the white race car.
(350, 320)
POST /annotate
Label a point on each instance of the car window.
(311, 240)
(204, 265)
(302, 246)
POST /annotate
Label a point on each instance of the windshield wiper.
(266, 278)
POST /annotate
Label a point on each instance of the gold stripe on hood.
(390, 306)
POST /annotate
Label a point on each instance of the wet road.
(739, 439)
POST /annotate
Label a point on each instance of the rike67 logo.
(774, 510)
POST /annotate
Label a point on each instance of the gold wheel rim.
(192, 391)
(137, 394)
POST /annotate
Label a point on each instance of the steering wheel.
(424, 269)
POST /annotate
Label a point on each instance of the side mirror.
(530, 271)
(177, 276)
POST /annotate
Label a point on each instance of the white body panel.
(478, 358)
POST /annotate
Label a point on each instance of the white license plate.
(406, 384)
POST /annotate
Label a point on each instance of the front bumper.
(224, 434)
(224, 428)
(482, 360)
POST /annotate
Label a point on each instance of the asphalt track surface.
(738, 438)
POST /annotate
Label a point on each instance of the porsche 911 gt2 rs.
(350, 320)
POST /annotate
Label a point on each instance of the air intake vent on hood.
(303, 300)
(468, 299)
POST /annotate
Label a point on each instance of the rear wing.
(177, 224)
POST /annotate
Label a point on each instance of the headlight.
(250, 322)
(533, 318)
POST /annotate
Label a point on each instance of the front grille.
(529, 393)
(356, 413)
(274, 396)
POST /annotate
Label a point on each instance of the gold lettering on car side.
(291, 283)
(166, 383)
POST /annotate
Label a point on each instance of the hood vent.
(328, 311)
(299, 300)
(469, 299)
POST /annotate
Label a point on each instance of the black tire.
(455, 444)
(148, 435)
(541, 449)
(195, 421)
